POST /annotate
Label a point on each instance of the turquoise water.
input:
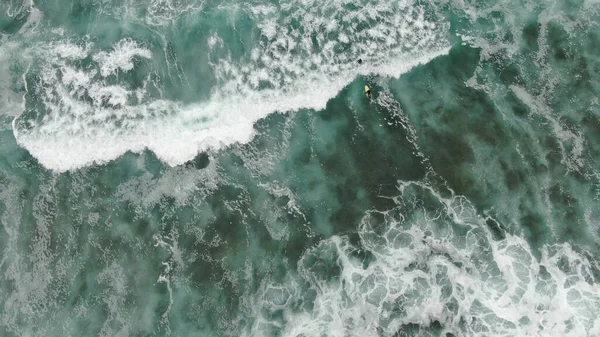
(189, 168)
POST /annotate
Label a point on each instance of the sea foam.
(91, 117)
(417, 265)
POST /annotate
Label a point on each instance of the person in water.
(367, 89)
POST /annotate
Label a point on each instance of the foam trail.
(91, 118)
(175, 141)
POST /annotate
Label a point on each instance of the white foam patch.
(213, 40)
(71, 51)
(421, 272)
(70, 143)
(121, 57)
(91, 120)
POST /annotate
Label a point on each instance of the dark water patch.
(454, 129)
(203, 271)
(531, 34)
(535, 226)
(510, 74)
(515, 175)
(554, 155)
(366, 148)
(413, 329)
(201, 161)
(151, 164)
(513, 179)
(569, 212)
(444, 126)
(408, 330)
(228, 218)
(17, 161)
(83, 8)
(453, 149)
(339, 162)
(359, 252)
(558, 41)
(449, 153)
(321, 263)
(498, 232)
(296, 246)
(560, 197)
(108, 176)
(591, 127)
(74, 16)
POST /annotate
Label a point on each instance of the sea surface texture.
(214, 168)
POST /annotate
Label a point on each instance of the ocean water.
(213, 168)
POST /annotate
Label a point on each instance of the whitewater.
(92, 119)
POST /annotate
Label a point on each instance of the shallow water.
(189, 168)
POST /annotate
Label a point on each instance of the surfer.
(367, 89)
